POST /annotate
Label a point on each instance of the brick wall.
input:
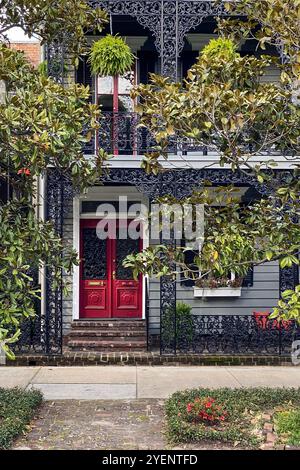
(32, 51)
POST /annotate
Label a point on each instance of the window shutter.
(248, 279)
(3, 190)
(188, 259)
(84, 77)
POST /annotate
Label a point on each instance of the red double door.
(107, 289)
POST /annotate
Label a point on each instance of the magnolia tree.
(271, 22)
(224, 105)
(41, 125)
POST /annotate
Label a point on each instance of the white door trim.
(76, 246)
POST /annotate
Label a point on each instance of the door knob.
(114, 275)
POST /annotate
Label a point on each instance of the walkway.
(130, 382)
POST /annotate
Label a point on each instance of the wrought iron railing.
(31, 340)
(227, 335)
(232, 335)
(121, 134)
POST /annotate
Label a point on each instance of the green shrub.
(17, 407)
(184, 326)
(241, 405)
(221, 48)
(287, 425)
(110, 56)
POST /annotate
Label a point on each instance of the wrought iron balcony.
(121, 134)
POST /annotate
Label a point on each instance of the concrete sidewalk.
(129, 382)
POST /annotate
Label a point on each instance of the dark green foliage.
(111, 56)
(67, 19)
(43, 124)
(17, 408)
(184, 325)
(240, 404)
(287, 425)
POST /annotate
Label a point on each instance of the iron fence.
(120, 133)
(227, 335)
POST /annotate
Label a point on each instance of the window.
(189, 257)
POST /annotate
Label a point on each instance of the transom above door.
(107, 289)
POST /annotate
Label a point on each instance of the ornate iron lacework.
(31, 339)
(289, 278)
(191, 15)
(94, 255)
(146, 12)
(56, 60)
(51, 324)
(45, 334)
(229, 334)
(119, 132)
(168, 21)
(58, 199)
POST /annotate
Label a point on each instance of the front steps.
(107, 335)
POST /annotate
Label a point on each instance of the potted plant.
(111, 56)
(218, 287)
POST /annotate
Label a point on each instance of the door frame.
(105, 193)
(112, 284)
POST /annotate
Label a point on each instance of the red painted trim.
(110, 286)
(97, 103)
(115, 113)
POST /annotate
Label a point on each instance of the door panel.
(95, 274)
(127, 292)
(107, 289)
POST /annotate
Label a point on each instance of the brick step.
(113, 340)
(113, 333)
(100, 345)
(99, 324)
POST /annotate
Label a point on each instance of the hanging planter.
(111, 56)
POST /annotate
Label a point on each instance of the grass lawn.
(226, 415)
(287, 426)
(17, 407)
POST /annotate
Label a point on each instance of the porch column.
(59, 191)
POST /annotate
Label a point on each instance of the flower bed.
(224, 415)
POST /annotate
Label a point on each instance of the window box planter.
(217, 292)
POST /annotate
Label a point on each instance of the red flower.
(189, 407)
(24, 171)
(205, 410)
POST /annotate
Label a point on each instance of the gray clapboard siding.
(272, 75)
(263, 295)
(68, 299)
